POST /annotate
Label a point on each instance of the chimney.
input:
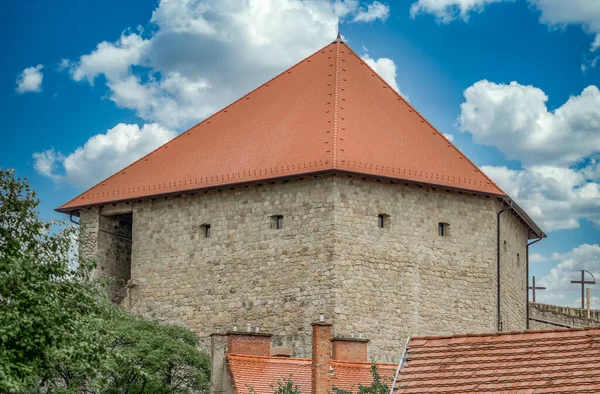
(321, 358)
(249, 343)
(234, 342)
(349, 349)
(218, 361)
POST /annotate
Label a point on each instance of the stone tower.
(321, 192)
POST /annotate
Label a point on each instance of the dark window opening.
(277, 222)
(383, 220)
(115, 242)
(443, 229)
(207, 231)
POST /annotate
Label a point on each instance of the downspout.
(71, 219)
(527, 279)
(499, 319)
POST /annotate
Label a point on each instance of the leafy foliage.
(377, 387)
(46, 304)
(143, 357)
(283, 387)
(59, 332)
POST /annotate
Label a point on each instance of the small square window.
(277, 222)
(383, 220)
(443, 229)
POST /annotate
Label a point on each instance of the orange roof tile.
(563, 360)
(329, 112)
(262, 373)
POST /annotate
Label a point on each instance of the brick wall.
(321, 358)
(249, 344)
(349, 349)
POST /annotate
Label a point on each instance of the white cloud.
(446, 11)
(386, 68)
(537, 258)
(102, 155)
(203, 54)
(449, 137)
(573, 12)
(560, 290)
(46, 163)
(555, 197)
(374, 11)
(114, 60)
(516, 119)
(30, 80)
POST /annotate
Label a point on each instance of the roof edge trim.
(275, 179)
(520, 212)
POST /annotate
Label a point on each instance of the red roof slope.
(262, 373)
(547, 361)
(328, 112)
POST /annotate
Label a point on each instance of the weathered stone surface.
(542, 316)
(330, 258)
(107, 240)
(406, 280)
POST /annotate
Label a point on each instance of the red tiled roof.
(262, 373)
(329, 112)
(547, 361)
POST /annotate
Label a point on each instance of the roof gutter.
(527, 280)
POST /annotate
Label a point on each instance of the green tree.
(143, 357)
(47, 303)
(58, 331)
(378, 386)
(285, 386)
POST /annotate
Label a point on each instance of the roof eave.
(76, 208)
(520, 212)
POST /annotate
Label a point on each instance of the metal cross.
(583, 282)
(535, 288)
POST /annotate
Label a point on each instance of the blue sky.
(88, 89)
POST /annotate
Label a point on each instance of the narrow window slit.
(443, 229)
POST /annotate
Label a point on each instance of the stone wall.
(406, 280)
(544, 316)
(107, 240)
(330, 258)
(247, 272)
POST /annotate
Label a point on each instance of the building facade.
(361, 212)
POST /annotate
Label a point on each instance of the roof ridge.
(207, 119)
(423, 118)
(336, 102)
(361, 364)
(502, 333)
(298, 360)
